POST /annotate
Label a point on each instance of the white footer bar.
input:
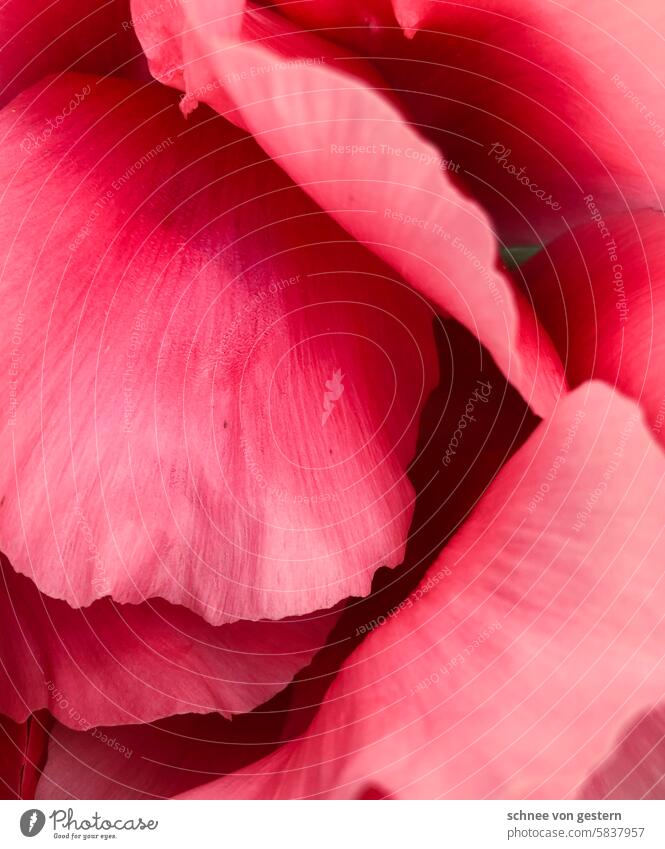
(333, 825)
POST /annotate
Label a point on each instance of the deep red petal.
(158, 760)
(23, 752)
(40, 37)
(600, 290)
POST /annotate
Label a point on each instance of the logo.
(32, 822)
(335, 389)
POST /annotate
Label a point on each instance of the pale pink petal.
(600, 290)
(536, 637)
(319, 114)
(112, 664)
(470, 428)
(213, 390)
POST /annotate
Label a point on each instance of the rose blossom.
(252, 281)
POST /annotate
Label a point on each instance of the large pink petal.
(536, 104)
(178, 754)
(532, 641)
(213, 390)
(466, 437)
(115, 664)
(39, 37)
(318, 113)
(600, 290)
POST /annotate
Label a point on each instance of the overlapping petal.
(112, 664)
(534, 640)
(40, 37)
(536, 104)
(213, 391)
(23, 752)
(158, 760)
(320, 114)
(636, 767)
(600, 290)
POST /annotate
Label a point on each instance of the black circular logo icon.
(32, 822)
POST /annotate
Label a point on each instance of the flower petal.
(318, 113)
(112, 664)
(600, 290)
(154, 761)
(476, 434)
(214, 391)
(23, 751)
(535, 637)
(540, 103)
(535, 104)
(39, 37)
(636, 767)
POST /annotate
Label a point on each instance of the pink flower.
(288, 437)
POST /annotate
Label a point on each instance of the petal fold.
(321, 114)
(41, 37)
(112, 664)
(533, 105)
(214, 391)
(600, 290)
(23, 752)
(530, 644)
